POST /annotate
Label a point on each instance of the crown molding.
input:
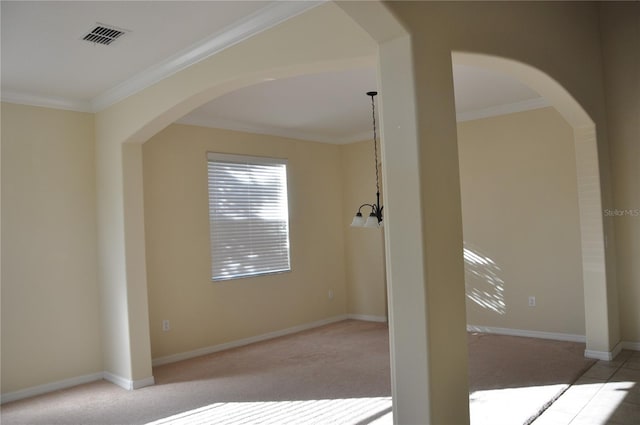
(243, 29)
(46, 102)
(228, 124)
(249, 26)
(358, 137)
(508, 108)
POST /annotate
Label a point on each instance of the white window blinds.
(248, 216)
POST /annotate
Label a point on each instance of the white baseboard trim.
(530, 334)
(240, 342)
(146, 382)
(367, 318)
(598, 355)
(128, 384)
(52, 386)
(604, 355)
(591, 354)
(125, 383)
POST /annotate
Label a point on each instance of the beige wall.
(521, 222)
(620, 32)
(204, 313)
(364, 248)
(50, 306)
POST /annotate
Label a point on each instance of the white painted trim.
(598, 355)
(368, 318)
(247, 27)
(261, 20)
(141, 383)
(125, 383)
(530, 334)
(509, 108)
(52, 386)
(45, 102)
(228, 124)
(604, 355)
(359, 137)
(245, 341)
(128, 384)
(631, 345)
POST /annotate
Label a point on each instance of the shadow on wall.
(483, 283)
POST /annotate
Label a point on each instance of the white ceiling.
(43, 51)
(45, 62)
(329, 107)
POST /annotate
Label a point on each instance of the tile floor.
(608, 393)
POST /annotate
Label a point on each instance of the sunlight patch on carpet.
(352, 411)
(511, 406)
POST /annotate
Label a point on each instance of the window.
(248, 216)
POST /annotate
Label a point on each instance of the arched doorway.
(122, 128)
(589, 197)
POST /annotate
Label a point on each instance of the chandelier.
(375, 217)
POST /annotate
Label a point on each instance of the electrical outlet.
(330, 294)
(165, 325)
(532, 301)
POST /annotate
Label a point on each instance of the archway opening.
(181, 102)
(526, 256)
(325, 181)
(178, 286)
(578, 177)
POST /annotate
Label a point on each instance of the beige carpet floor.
(335, 374)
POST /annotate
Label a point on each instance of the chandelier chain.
(375, 143)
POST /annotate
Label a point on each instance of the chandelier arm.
(373, 207)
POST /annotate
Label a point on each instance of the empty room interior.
(178, 234)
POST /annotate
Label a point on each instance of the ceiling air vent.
(103, 34)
